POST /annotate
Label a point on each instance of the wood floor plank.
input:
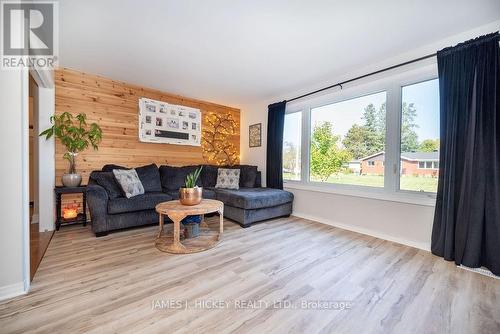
(263, 275)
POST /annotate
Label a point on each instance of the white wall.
(14, 199)
(46, 163)
(14, 257)
(252, 114)
(408, 224)
(401, 222)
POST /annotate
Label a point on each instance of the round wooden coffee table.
(207, 239)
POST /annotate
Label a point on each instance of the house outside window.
(420, 136)
(411, 164)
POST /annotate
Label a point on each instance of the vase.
(190, 196)
(72, 178)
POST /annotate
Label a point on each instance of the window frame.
(392, 84)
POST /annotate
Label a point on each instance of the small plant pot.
(190, 196)
(71, 180)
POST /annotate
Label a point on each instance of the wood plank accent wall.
(114, 106)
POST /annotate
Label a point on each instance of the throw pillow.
(129, 181)
(228, 178)
(173, 178)
(108, 182)
(150, 178)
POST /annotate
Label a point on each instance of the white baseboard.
(482, 270)
(11, 291)
(372, 233)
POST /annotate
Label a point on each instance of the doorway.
(39, 237)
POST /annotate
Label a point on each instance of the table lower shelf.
(79, 219)
(206, 240)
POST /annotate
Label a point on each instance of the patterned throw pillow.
(129, 181)
(228, 178)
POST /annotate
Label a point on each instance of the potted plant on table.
(76, 135)
(191, 193)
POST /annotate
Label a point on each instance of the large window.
(348, 140)
(419, 165)
(291, 146)
(377, 139)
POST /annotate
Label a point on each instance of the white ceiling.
(236, 52)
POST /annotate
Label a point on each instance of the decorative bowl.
(190, 196)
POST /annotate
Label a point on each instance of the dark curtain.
(467, 218)
(275, 127)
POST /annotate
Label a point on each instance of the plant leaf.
(75, 135)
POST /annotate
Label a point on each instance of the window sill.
(408, 197)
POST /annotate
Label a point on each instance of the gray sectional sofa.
(110, 210)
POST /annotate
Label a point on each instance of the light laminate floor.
(39, 241)
(266, 278)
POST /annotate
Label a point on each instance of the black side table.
(81, 217)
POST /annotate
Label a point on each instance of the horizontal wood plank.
(114, 106)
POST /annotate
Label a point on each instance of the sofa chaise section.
(250, 205)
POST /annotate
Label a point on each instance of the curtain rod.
(364, 76)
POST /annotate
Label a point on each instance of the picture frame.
(255, 135)
(164, 123)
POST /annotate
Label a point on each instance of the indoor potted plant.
(76, 135)
(191, 193)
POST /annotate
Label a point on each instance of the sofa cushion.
(253, 198)
(207, 194)
(110, 167)
(209, 176)
(150, 178)
(108, 182)
(248, 175)
(137, 203)
(173, 178)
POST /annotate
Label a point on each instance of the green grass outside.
(414, 183)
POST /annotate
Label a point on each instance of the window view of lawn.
(415, 183)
